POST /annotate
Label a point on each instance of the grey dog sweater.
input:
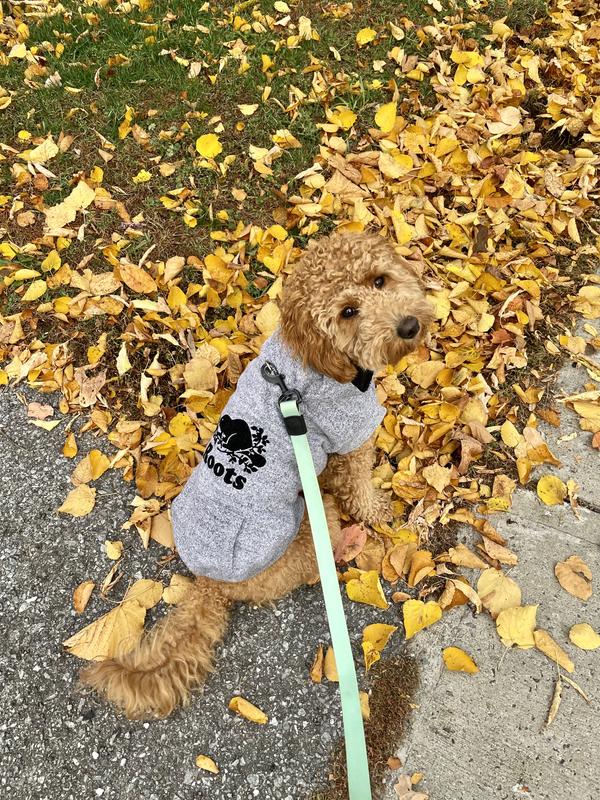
(242, 506)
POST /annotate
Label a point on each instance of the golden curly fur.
(388, 318)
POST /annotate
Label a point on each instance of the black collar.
(362, 379)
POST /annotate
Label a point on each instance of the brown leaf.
(554, 706)
(39, 411)
(81, 596)
(351, 543)
(138, 280)
(461, 556)
(316, 671)
(575, 577)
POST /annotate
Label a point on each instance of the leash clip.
(272, 375)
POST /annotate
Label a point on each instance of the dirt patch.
(393, 686)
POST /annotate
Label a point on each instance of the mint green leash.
(359, 785)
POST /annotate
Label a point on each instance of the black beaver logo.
(242, 445)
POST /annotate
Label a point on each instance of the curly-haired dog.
(351, 306)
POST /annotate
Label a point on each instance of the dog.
(351, 306)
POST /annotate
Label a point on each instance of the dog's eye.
(379, 282)
(349, 312)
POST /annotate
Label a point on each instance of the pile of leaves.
(466, 141)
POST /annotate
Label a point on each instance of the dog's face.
(351, 302)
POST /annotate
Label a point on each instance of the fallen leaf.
(365, 709)
(461, 556)
(70, 446)
(385, 118)
(115, 633)
(456, 660)
(161, 530)
(584, 636)
(209, 145)
(137, 279)
(364, 36)
(316, 670)
(498, 591)
(515, 626)
(81, 596)
(575, 577)
(351, 543)
(366, 588)
(329, 666)
(39, 411)
(114, 550)
(551, 490)
(375, 638)
(555, 704)
(418, 615)
(177, 588)
(207, 764)
(247, 710)
(546, 645)
(79, 502)
(146, 592)
(62, 214)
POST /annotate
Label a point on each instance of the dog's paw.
(379, 510)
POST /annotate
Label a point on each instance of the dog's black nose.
(408, 328)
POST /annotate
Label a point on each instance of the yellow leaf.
(161, 530)
(546, 645)
(329, 666)
(145, 591)
(206, 763)
(437, 476)
(114, 550)
(342, 116)
(34, 291)
(551, 490)
(366, 588)
(375, 638)
(51, 262)
(209, 145)
(81, 596)
(137, 279)
(247, 710)
(575, 577)
(143, 176)
(584, 636)
(248, 109)
(510, 435)
(267, 319)
(588, 302)
(123, 363)
(456, 660)
(515, 626)
(79, 502)
(514, 185)
(60, 215)
(43, 152)
(90, 468)
(177, 589)
(364, 36)
(365, 709)
(461, 556)
(115, 633)
(70, 446)
(125, 126)
(498, 591)
(385, 118)
(418, 615)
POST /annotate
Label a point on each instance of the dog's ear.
(301, 333)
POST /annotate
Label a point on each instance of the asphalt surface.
(58, 742)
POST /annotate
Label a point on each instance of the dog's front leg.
(348, 478)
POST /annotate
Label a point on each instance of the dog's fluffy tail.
(175, 657)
